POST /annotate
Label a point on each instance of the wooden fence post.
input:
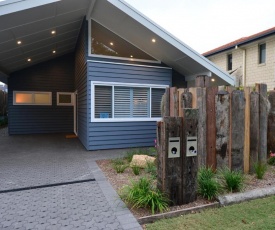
(161, 154)
(222, 128)
(255, 129)
(262, 89)
(190, 163)
(201, 105)
(170, 175)
(237, 132)
(246, 150)
(202, 81)
(180, 93)
(186, 100)
(271, 123)
(211, 126)
(165, 103)
(174, 109)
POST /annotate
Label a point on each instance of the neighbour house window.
(106, 43)
(122, 102)
(229, 62)
(262, 53)
(65, 99)
(32, 98)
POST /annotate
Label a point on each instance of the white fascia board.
(161, 32)
(23, 5)
(3, 77)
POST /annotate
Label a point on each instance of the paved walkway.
(42, 186)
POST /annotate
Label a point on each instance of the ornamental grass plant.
(208, 186)
(143, 194)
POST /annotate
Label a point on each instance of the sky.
(206, 24)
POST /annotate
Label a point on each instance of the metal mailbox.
(174, 147)
(191, 147)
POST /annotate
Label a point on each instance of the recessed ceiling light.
(53, 32)
(111, 43)
(153, 40)
(19, 42)
(213, 79)
(54, 51)
(29, 59)
(131, 56)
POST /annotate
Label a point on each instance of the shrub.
(208, 186)
(271, 161)
(3, 121)
(233, 181)
(119, 165)
(260, 169)
(118, 161)
(136, 169)
(142, 194)
(205, 173)
(120, 168)
(151, 168)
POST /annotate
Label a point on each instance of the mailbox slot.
(174, 147)
(191, 147)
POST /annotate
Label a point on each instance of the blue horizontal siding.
(53, 76)
(111, 135)
(81, 84)
(122, 135)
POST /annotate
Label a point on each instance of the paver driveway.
(50, 182)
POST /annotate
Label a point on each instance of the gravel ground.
(119, 180)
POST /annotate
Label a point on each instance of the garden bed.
(118, 180)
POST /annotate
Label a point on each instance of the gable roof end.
(139, 30)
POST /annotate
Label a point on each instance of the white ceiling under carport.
(31, 22)
(33, 26)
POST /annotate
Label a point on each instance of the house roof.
(32, 22)
(240, 41)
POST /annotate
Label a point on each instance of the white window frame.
(65, 104)
(33, 93)
(113, 84)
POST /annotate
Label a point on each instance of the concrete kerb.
(245, 196)
(225, 200)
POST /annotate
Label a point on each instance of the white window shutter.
(103, 101)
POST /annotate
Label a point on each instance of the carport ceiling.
(43, 31)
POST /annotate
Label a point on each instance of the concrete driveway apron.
(50, 182)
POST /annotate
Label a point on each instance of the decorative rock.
(141, 160)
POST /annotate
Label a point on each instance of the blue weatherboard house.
(94, 67)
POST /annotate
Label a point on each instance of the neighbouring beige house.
(250, 59)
